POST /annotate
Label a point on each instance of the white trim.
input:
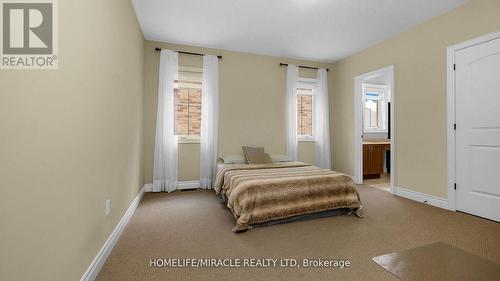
(476, 41)
(305, 138)
(421, 197)
(375, 86)
(188, 139)
(310, 81)
(180, 185)
(148, 187)
(451, 50)
(450, 128)
(358, 121)
(102, 255)
(358, 130)
(188, 184)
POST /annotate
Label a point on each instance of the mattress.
(260, 193)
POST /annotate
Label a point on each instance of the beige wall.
(252, 105)
(70, 139)
(419, 57)
(306, 151)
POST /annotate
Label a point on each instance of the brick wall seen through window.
(304, 112)
(187, 98)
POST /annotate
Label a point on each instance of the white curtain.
(209, 120)
(165, 158)
(322, 121)
(292, 75)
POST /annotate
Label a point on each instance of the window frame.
(188, 138)
(382, 114)
(312, 84)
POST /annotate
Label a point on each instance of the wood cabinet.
(373, 160)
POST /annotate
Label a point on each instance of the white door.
(477, 93)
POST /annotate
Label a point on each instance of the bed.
(259, 194)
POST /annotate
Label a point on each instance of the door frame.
(451, 134)
(358, 120)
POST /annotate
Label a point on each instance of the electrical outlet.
(108, 207)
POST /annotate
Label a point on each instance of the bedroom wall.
(252, 105)
(419, 57)
(70, 139)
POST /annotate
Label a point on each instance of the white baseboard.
(180, 185)
(421, 197)
(103, 254)
(188, 184)
(148, 187)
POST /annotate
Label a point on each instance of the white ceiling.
(319, 30)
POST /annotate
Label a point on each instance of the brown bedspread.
(262, 192)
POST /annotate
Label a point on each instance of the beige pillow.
(233, 159)
(256, 155)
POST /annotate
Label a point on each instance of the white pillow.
(280, 158)
(233, 159)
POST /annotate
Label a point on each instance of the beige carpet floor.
(194, 224)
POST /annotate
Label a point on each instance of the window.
(374, 108)
(305, 109)
(187, 99)
(304, 112)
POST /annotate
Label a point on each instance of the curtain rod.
(302, 66)
(186, 53)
